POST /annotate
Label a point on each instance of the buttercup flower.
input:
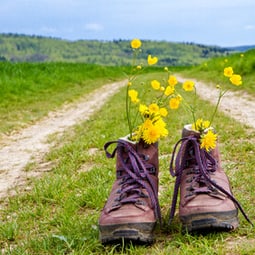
(147, 124)
(153, 108)
(208, 140)
(143, 109)
(188, 85)
(146, 119)
(161, 126)
(150, 125)
(236, 79)
(152, 60)
(169, 90)
(163, 112)
(228, 71)
(201, 125)
(174, 103)
(133, 94)
(136, 43)
(155, 84)
(172, 81)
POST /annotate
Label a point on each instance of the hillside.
(23, 48)
(242, 48)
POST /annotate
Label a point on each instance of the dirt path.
(31, 143)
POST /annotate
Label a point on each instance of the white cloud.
(94, 27)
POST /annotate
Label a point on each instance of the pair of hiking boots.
(132, 209)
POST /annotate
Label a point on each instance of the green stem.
(189, 107)
(221, 94)
(194, 109)
(194, 118)
(128, 112)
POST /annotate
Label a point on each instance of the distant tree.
(2, 59)
(36, 58)
(18, 48)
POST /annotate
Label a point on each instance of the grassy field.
(29, 91)
(211, 71)
(59, 212)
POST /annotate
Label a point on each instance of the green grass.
(59, 214)
(212, 70)
(29, 91)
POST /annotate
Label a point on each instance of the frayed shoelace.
(136, 176)
(205, 164)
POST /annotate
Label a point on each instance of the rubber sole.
(135, 232)
(218, 221)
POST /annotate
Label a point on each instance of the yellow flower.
(197, 125)
(147, 124)
(136, 43)
(206, 124)
(236, 79)
(208, 140)
(162, 88)
(228, 71)
(201, 125)
(151, 134)
(133, 94)
(166, 69)
(153, 108)
(137, 134)
(172, 81)
(174, 103)
(161, 126)
(129, 83)
(152, 60)
(155, 84)
(139, 67)
(143, 109)
(169, 90)
(188, 85)
(163, 112)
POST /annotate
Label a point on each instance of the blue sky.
(210, 22)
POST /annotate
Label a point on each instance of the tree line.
(24, 48)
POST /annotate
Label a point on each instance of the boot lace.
(136, 176)
(202, 165)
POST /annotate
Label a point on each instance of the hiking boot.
(132, 209)
(206, 200)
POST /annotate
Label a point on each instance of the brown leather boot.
(132, 209)
(206, 200)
